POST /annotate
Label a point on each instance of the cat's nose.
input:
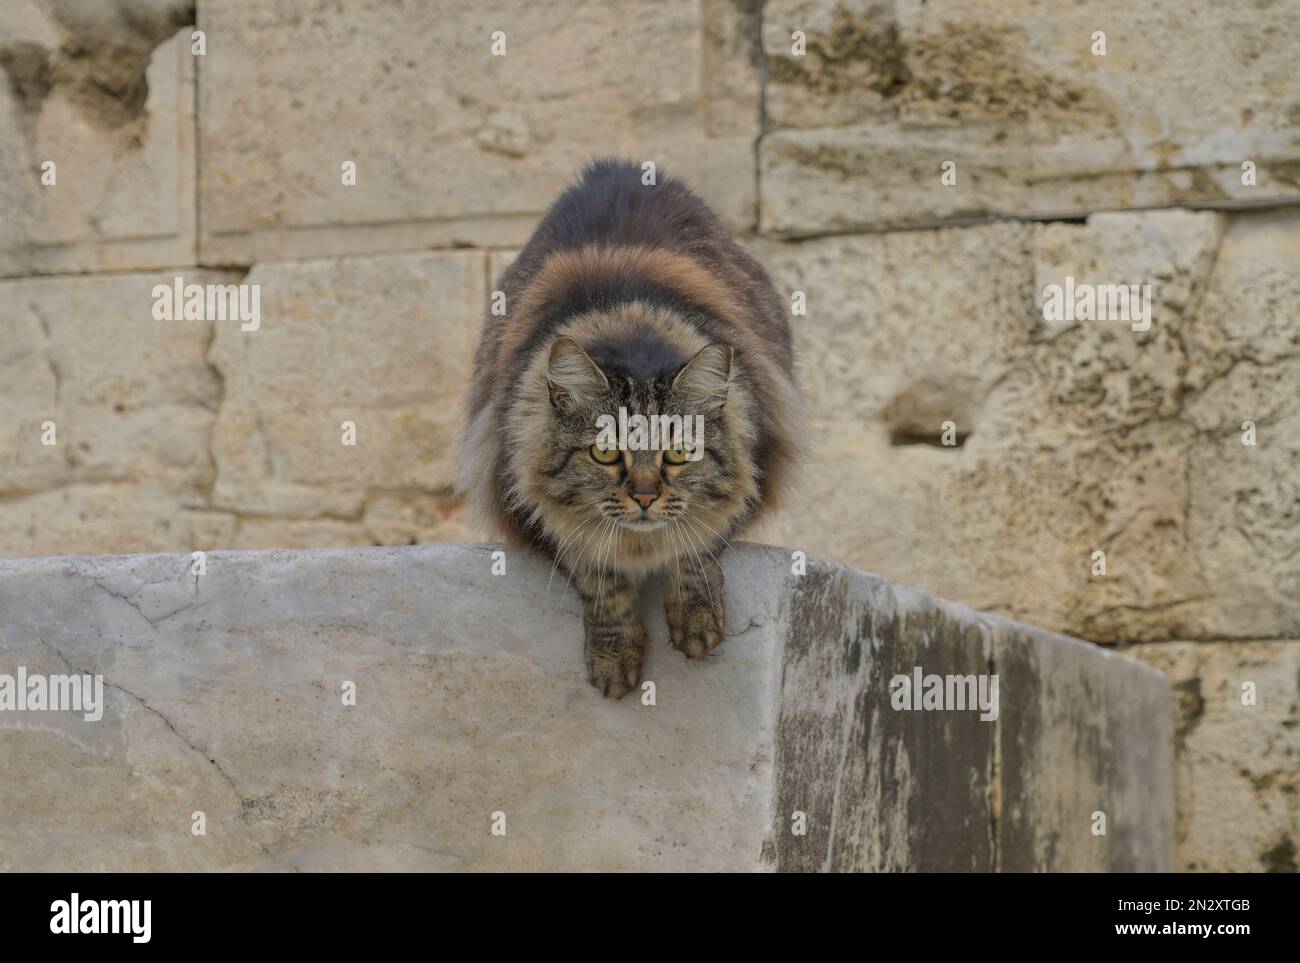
(645, 500)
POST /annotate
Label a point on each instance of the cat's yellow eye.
(604, 456)
(676, 456)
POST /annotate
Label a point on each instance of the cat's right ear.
(573, 378)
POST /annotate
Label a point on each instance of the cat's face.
(646, 456)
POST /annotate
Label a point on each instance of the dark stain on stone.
(1191, 708)
(856, 55)
(27, 66)
(819, 599)
(106, 83)
(100, 67)
(1283, 172)
(1204, 187)
(947, 756)
(1260, 782)
(748, 28)
(808, 743)
(965, 73)
(971, 73)
(1020, 729)
(1281, 858)
(844, 159)
(854, 656)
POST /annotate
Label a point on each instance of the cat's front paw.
(696, 627)
(614, 662)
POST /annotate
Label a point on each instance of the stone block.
(226, 694)
(453, 144)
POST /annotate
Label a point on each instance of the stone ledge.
(223, 695)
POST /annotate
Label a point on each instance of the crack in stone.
(753, 624)
(243, 803)
(134, 605)
(230, 783)
(55, 372)
(153, 623)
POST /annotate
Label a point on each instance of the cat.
(631, 298)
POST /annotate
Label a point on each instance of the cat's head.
(643, 438)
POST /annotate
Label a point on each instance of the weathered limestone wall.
(923, 300)
(224, 695)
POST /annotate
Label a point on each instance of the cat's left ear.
(706, 377)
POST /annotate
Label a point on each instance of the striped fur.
(634, 296)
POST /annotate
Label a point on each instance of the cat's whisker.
(603, 565)
(570, 543)
(703, 542)
(704, 575)
(715, 558)
(565, 545)
(571, 568)
(716, 534)
(618, 537)
(683, 549)
(681, 604)
(595, 546)
(616, 533)
(601, 551)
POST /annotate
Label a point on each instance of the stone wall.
(924, 300)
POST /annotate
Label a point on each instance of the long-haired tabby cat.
(632, 296)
